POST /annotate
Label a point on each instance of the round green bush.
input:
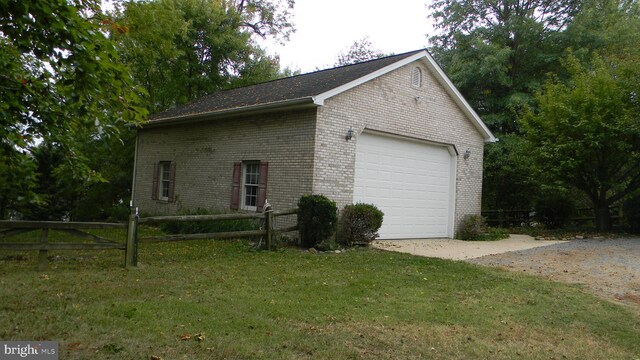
(317, 219)
(473, 226)
(359, 224)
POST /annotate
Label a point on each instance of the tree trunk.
(603, 219)
(3, 208)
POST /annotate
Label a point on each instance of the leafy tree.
(586, 132)
(265, 17)
(62, 196)
(497, 51)
(60, 76)
(508, 183)
(180, 50)
(361, 50)
(57, 193)
(605, 27)
(109, 199)
(17, 181)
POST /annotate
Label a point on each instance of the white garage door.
(410, 181)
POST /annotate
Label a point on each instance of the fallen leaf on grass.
(185, 337)
(74, 346)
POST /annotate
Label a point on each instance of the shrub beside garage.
(319, 224)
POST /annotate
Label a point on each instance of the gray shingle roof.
(291, 88)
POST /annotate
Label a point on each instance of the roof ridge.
(354, 64)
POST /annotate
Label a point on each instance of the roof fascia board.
(300, 103)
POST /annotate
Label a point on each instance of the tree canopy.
(586, 132)
(361, 50)
(61, 76)
(74, 80)
(499, 53)
(180, 50)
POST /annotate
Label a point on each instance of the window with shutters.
(249, 186)
(416, 77)
(164, 173)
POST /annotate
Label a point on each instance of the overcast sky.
(327, 27)
(324, 28)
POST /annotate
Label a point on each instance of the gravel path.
(609, 268)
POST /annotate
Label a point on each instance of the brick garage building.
(393, 131)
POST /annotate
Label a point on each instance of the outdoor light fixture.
(467, 154)
(349, 134)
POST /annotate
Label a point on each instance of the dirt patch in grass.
(608, 268)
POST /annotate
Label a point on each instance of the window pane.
(251, 174)
(251, 195)
(165, 179)
(251, 178)
(165, 189)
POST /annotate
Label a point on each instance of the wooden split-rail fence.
(11, 228)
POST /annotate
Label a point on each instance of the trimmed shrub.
(472, 228)
(119, 212)
(317, 219)
(209, 226)
(359, 224)
(553, 209)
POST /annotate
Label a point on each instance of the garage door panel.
(409, 181)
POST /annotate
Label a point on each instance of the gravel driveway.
(608, 268)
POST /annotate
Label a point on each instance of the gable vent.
(416, 77)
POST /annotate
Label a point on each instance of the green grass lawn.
(222, 300)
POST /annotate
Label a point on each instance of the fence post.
(42, 258)
(131, 256)
(269, 228)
